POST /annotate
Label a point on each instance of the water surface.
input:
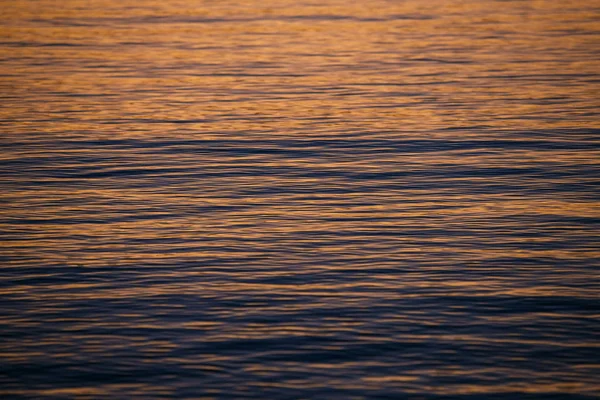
(299, 199)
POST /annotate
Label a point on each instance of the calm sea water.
(299, 199)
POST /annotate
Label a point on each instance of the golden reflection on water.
(321, 200)
(391, 65)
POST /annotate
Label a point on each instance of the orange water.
(294, 199)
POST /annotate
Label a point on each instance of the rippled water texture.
(299, 199)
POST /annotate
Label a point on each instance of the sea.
(300, 199)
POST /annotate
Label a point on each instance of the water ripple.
(330, 201)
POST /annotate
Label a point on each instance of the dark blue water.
(299, 200)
